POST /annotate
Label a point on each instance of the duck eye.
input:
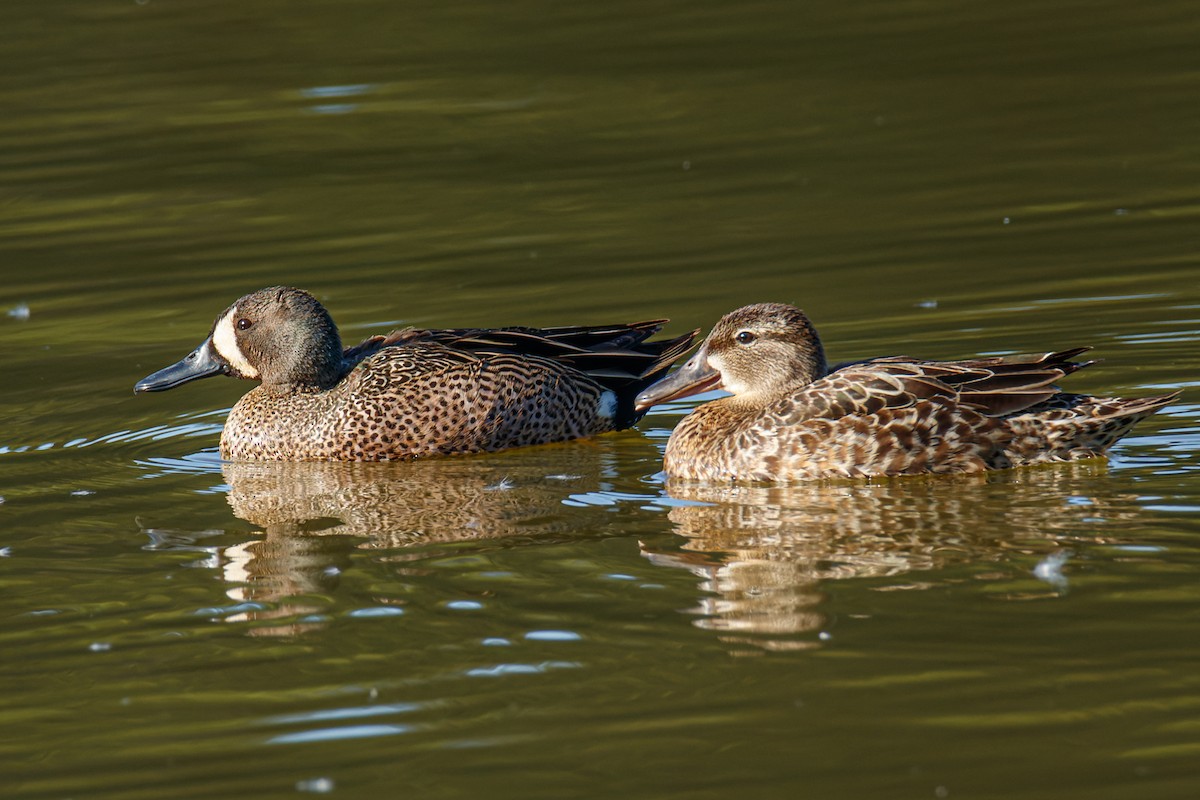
(243, 324)
(745, 337)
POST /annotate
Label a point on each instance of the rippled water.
(935, 179)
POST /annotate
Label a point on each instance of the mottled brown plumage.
(791, 418)
(415, 392)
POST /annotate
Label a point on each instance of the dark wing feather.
(618, 357)
(1006, 385)
(994, 386)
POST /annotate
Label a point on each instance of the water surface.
(939, 179)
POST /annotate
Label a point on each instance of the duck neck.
(307, 366)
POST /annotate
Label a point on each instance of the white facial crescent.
(224, 339)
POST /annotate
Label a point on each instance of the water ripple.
(339, 734)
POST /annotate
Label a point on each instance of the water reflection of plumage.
(315, 514)
(764, 551)
(399, 504)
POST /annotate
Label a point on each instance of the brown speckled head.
(765, 348)
(281, 336)
(757, 351)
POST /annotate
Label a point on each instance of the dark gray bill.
(200, 363)
(693, 377)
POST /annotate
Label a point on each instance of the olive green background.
(940, 179)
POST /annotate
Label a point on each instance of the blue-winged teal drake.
(415, 392)
(792, 418)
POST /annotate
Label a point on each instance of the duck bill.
(203, 362)
(693, 377)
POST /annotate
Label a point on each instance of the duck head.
(280, 336)
(755, 353)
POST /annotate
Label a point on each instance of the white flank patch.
(607, 407)
(224, 341)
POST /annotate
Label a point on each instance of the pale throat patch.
(726, 385)
(224, 339)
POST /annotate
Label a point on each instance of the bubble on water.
(317, 785)
(1049, 569)
(20, 312)
(100, 647)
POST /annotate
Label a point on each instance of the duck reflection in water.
(316, 515)
(765, 551)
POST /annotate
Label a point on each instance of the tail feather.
(669, 351)
(1139, 407)
(1071, 427)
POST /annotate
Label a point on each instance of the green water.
(933, 178)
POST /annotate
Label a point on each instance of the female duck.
(792, 418)
(414, 392)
